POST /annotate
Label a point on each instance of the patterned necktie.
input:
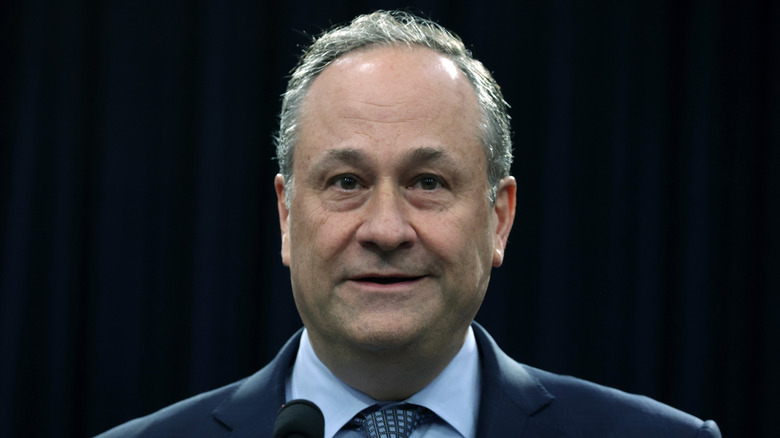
(398, 422)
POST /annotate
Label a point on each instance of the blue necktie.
(395, 422)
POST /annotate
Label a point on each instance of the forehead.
(397, 64)
(391, 91)
(389, 74)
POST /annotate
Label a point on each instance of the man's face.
(390, 236)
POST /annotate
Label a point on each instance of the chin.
(384, 336)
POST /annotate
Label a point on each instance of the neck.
(386, 374)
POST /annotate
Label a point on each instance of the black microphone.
(299, 419)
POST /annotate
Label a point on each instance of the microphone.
(299, 419)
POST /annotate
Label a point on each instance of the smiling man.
(395, 202)
(390, 233)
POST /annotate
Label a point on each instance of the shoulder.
(606, 411)
(248, 405)
(189, 417)
(569, 406)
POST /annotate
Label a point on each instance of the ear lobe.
(504, 209)
(284, 215)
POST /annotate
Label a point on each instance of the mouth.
(387, 279)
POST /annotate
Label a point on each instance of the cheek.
(306, 223)
(462, 240)
(316, 236)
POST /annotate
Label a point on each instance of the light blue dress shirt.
(453, 396)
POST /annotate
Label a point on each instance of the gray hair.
(387, 28)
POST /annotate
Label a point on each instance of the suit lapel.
(510, 395)
(251, 410)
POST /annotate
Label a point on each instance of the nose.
(386, 225)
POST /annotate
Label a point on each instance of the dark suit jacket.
(516, 401)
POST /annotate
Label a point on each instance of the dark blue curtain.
(139, 238)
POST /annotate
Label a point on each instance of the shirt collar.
(454, 394)
(455, 403)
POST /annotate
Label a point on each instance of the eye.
(428, 182)
(346, 182)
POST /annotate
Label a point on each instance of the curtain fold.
(139, 257)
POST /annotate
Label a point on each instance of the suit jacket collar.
(510, 395)
(251, 409)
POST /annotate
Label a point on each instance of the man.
(395, 202)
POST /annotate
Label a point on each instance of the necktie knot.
(395, 422)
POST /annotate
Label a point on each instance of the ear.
(284, 216)
(504, 209)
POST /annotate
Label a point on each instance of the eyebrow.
(346, 156)
(425, 155)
